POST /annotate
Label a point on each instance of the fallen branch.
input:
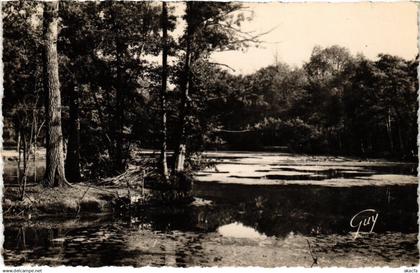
(314, 258)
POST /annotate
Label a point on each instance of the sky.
(367, 28)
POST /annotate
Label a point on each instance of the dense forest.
(96, 82)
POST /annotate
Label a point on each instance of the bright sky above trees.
(368, 28)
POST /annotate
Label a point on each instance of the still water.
(234, 224)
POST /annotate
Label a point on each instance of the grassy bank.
(121, 193)
(105, 196)
(71, 200)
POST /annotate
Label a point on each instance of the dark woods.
(335, 104)
(96, 82)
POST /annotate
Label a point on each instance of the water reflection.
(275, 218)
(309, 210)
(238, 230)
(234, 225)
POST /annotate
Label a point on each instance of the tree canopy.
(111, 80)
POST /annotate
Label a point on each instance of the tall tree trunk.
(119, 160)
(35, 145)
(163, 157)
(389, 131)
(118, 120)
(19, 160)
(54, 172)
(400, 125)
(400, 139)
(362, 146)
(72, 162)
(181, 150)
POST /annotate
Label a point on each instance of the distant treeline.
(116, 98)
(335, 103)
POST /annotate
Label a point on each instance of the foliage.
(335, 103)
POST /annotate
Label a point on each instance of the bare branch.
(225, 65)
(233, 131)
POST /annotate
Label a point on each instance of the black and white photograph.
(209, 134)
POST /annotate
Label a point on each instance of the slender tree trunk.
(401, 143)
(72, 162)
(19, 156)
(54, 172)
(23, 238)
(181, 150)
(26, 154)
(389, 131)
(35, 145)
(119, 163)
(116, 120)
(362, 146)
(340, 142)
(163, 157)
(120, 113)
(400, 139)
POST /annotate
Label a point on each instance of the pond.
(243, 217)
